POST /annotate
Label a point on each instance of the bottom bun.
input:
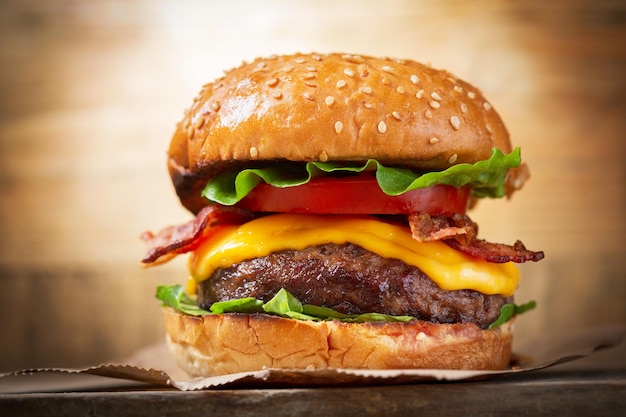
(229, 343)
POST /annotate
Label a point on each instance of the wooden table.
(545, 393)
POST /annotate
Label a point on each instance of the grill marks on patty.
(350, 280)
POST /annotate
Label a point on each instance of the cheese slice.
(449, 268)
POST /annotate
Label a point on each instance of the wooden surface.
(562, 394)
(91, 92)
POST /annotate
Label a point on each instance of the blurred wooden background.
(91, 91)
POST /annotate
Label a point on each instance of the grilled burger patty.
(350, 280)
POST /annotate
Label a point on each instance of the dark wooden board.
(556, 393)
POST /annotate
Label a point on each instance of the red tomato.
(354, 195)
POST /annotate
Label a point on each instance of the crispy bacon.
(174, 240)
(497, 252)
(460, 232)
(427, 228)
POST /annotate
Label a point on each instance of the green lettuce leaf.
(174, 296)
(508, 311)
(247, 305)
(284, 304)
(486, 178)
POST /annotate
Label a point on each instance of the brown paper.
(155, 366)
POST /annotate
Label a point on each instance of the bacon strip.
(497, 252)
(427, 228)
(460, 232)
(174, 240)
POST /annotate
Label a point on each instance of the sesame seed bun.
(229, 343)
(309, 107)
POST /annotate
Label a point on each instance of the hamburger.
(330, 195)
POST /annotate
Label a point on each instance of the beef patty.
(350, 280)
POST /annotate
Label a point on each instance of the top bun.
(313, 107)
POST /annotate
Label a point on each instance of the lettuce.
(508, 311)
(486, 178)
(284, 304)
(174, 296)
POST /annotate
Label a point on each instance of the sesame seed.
(387, 68)
(215, 105)
(312, 69)
(455, 122)
(341, 84)
(436, 96)
(309, 76)
(367, 105)
(272, 82)
(330, 100)
(463, 108)
(288, 68)
(254, 152)
(489, 129)
(458, 88)
(365, 89)
(471, 94)
(318, 58)
(310, 84)
(348, 72)
(428, 114)
(453, 158)
(400, 61)
(353, 58)
(451, 79)
(382, 127)
(308, 95)
(198, 123)
(486, 106)
(299, 60)
(401, 90)
(415, 79)
(396, 115)
(277, 94)
(190, 132)
(338, 127)
(432, 141)
(434, 104)
(419, 94)
(385, 80)
(323, 156)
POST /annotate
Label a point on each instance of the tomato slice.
(354, 195)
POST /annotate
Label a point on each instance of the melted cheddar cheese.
(449, 268)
